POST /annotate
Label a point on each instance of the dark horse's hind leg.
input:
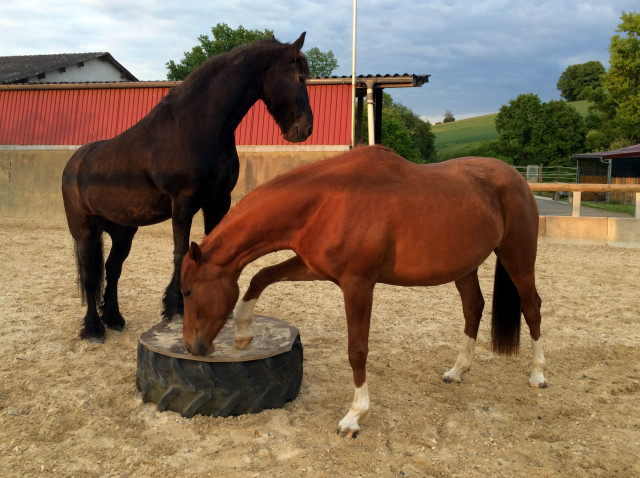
(121, 238)
(89, 257)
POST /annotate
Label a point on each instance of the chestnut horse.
(178, 159)
(370, 216)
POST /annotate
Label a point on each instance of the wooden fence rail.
(579, 188)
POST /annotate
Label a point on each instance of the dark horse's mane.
(217, 62)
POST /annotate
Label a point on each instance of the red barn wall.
(41, 127)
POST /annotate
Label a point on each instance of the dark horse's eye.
(186, 293)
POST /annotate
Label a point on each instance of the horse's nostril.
(309, 131)
(200, 347)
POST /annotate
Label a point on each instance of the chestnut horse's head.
(285, 93)
(209, 297)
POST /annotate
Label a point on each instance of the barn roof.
(16, 69)
(628, 152)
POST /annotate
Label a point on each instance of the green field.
(459, 138)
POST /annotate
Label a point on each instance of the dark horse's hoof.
(92, 337)
(96, 340)
(112, 318)
(117, 328)
(114, 323)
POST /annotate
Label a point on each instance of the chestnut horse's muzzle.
(200, 347)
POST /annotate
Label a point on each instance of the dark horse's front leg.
(182, 217)
(173, 307)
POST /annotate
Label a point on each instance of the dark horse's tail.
(505, 323)
(94, 268)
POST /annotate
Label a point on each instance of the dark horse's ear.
(299, 42)
(195, 253)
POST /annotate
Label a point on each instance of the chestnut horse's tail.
(505, 323)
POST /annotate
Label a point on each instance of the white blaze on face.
(359, 411)
(463, 362)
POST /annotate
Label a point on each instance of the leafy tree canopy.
(321, 64)
(623, 78)
(581, 82)
(532, 132)
(405, 132)
(226, 39)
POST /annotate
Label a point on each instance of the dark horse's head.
(285, 93)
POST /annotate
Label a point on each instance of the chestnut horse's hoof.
(348, 432)
(538, 385)
(242, 342)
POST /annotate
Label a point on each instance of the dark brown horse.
(370, 216)
(178, 159)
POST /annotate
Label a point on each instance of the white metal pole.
(353, 79)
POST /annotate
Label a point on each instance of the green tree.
(321, 64)
(448, 117)
(405, 132)
(532, 132)
(581, 82)
(226, 39)
(623, 78)
(514, 124)
(559, 133)
(614, 118)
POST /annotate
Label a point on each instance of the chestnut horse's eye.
(186, 293)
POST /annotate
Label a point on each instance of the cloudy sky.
(480, 54)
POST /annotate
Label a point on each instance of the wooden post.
(577, 199)
(377, 97)
(371, 113)
(636, 214)
(359, 123)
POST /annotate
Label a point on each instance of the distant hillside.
(458, 138)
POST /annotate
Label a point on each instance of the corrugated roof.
(379, 81)
(629, 151)
(19, 68)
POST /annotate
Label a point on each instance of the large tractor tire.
(267, 374)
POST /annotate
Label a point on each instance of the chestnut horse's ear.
(195, 253)
(298, 43)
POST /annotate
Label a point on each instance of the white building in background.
(63, 68)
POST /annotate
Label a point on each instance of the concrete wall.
(610, 231)
(30, 187)
(30, 180)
